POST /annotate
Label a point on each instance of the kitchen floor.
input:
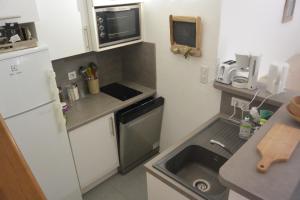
(131, 186)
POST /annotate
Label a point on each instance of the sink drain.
(201, 185)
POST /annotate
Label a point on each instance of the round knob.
(102, 34)
(100, 19)
(101, 28)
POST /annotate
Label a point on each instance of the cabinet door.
(44, 144)
(157, 190)
(94, 149)
(235, 196)
(18, 11)
(61, 28)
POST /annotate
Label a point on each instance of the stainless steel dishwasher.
(138, 128)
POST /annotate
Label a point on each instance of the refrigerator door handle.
(61, 120)
(57, 106)
(52, 84)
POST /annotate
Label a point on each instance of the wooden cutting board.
(277, 146)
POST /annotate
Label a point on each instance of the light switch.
(72, 75)
(204, 74)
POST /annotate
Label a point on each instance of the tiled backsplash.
(109, 66)
(227, 109)
(139, 63)
(135, 63)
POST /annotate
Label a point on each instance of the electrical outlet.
(240, 103)
(204, 74)
(72, 75)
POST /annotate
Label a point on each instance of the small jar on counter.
(73, 93)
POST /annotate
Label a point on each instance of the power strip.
(240, 103)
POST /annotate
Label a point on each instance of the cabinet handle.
(112, 126)
(86, 36)
(54, 92)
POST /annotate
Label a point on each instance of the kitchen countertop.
(282, 181)
(239, 172)
(95, 106)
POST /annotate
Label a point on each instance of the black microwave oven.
(118, 24)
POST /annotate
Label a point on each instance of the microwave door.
(118, 25)
(121, 25)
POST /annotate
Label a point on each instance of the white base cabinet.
(235, 196)
(157, 190)
(95, 152)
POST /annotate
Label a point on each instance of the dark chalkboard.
(184, 33)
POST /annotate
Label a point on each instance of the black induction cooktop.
(119, 91)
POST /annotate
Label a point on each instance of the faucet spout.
(215, 142)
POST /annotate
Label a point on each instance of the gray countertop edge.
(237, 165)
(147, 92)
(169, 181)
(276, 100)
(237, 189)
(226, 177)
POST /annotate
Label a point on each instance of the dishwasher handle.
(140, 110)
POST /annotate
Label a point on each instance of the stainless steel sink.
(196, 163)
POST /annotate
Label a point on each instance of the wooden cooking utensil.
(277, 146)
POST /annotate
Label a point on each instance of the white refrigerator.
(30, 106)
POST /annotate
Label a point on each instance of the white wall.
(188, 102)
(255, 26)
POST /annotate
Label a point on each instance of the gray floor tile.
(104, 192)
(131, 186)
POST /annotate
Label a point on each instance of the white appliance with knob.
(226, 72)
(114, 24)
(241, 73)
(30, 106)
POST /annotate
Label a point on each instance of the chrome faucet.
(221, 145)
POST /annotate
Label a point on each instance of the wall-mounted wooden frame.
(185, 35)
(288, 12)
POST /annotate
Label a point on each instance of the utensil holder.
(93, 86)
